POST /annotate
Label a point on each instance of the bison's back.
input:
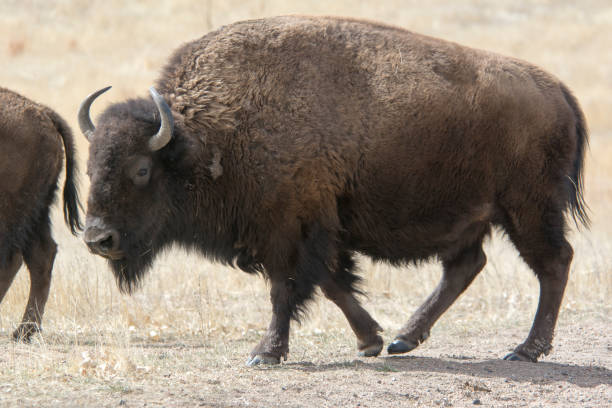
(354, 86)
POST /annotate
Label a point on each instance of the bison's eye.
(139, 170)
(141, 178)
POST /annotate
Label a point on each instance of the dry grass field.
(182, 340)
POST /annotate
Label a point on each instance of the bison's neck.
(206, 209)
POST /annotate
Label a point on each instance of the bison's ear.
(176, 152)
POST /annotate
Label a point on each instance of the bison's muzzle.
(102, 240)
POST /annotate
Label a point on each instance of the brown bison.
(31, 139)
(286, 145)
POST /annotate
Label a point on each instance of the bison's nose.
(100, 239)
(102, 242)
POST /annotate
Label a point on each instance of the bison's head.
(129, 215)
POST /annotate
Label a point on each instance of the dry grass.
(194, 321)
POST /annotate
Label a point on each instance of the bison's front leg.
(364, 326)
(275, 343)
(292, 284)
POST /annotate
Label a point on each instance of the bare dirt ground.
(453, 368)
(183, 339)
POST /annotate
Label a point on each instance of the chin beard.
(130, 270)
(137, 258)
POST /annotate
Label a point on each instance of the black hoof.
(514, 356)
(400, 346)
(24, 332)
(371, 351)
(259, 359)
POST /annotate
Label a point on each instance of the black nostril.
(106, 244)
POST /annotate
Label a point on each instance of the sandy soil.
(453, 368)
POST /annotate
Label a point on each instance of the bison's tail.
(71, 194)
(577, 204)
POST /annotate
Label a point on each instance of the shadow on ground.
(535, 373)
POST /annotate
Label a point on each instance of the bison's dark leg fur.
(546, 251)
(458, 273)
(289, 292)
(39, 258)
(275, 343)
(8, 274)
(364, 326)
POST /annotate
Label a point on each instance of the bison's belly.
(420, 237)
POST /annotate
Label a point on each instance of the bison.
(31, 139)
(286, 145)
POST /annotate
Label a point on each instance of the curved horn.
(85, 123)
(164, 134)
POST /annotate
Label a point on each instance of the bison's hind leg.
(39, 258)
(540, 239)
(8, 272)
(459, 271)
(340, 289)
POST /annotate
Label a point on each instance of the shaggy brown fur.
(31, 140)
(299, 141)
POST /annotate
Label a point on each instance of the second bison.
(33, 143)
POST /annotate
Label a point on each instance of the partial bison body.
(31, 156)
(286, 145)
